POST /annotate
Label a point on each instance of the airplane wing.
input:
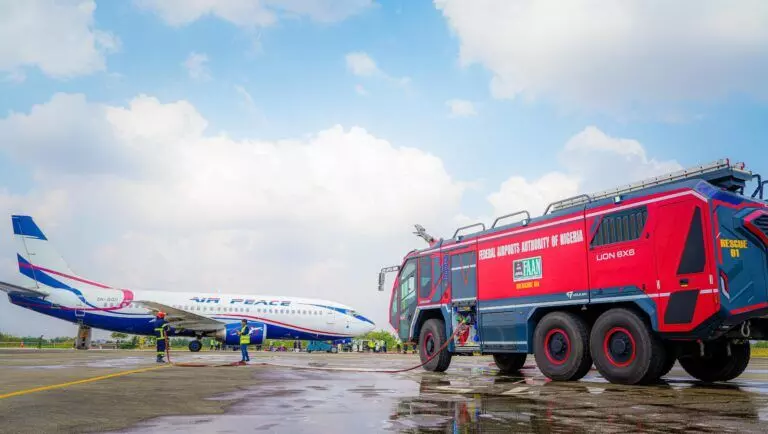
(29, 292)
(182, 319)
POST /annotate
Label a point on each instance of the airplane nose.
(365, 325)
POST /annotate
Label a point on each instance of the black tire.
(716, 365)
(672, 352)
(624, 349)
(510, 363)
(431, 339)
(195, 345)
(561, 346)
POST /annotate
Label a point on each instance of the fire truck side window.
(425, 277)
(408, 284)
(394, 305)
(621, 226)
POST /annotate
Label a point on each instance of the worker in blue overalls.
(161, 333)
(245, 339)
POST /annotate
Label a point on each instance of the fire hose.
(461, 327)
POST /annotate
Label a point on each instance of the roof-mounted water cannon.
(421, 232)
(383, 275)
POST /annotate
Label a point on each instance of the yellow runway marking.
(86, 380)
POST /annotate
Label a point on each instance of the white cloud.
(590, 161)
(360, 90)
(196, 66)
(16, 76)
(461, 108)
(247, 13)
(167, 205)
(246, 96)
(362, 65)
(616, 56)
(56, 36)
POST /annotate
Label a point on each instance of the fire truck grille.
(762, 224)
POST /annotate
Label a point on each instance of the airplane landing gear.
(83, 339)
(195, 345)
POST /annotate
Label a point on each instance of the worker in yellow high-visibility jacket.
(161, 332)
(245, 339)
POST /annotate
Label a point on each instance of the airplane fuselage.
(285, 317)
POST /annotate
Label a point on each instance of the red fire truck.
(673, 268)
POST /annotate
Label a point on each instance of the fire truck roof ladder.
(721, 173)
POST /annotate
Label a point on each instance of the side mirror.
(382, 279)
(383, 275)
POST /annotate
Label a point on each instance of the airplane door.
(330, 316)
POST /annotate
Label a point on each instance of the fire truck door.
(682, 264)
(464, 276)
(407, 301)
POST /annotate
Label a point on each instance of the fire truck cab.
(673, 268)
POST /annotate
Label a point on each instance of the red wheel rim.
(429, 344)
(557, 346)
(619, 347)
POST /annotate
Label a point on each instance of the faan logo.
(606, 256)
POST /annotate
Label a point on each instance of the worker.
(245, 339)
(161, 332)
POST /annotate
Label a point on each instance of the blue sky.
(299, 84)
(681, 102)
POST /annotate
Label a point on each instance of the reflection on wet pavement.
(475, 399)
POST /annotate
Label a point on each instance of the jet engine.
(229, 335)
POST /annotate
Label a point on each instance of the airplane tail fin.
(38, 258)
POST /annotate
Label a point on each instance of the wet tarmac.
(276, 393)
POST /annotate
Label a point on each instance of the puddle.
(300, 401)
(33, 368)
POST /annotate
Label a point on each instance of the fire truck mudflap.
(633, 279)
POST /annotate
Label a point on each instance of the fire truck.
(630, 280)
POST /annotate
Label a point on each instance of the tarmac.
(126, 392)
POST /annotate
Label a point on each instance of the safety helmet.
(161, 314)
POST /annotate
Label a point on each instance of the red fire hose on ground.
(442, 348)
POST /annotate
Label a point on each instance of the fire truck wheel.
(717, 365)
(431, 338)
(625, 350)
(670, 358)
(561, 346)
(510, 363)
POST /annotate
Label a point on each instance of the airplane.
(57, 291)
